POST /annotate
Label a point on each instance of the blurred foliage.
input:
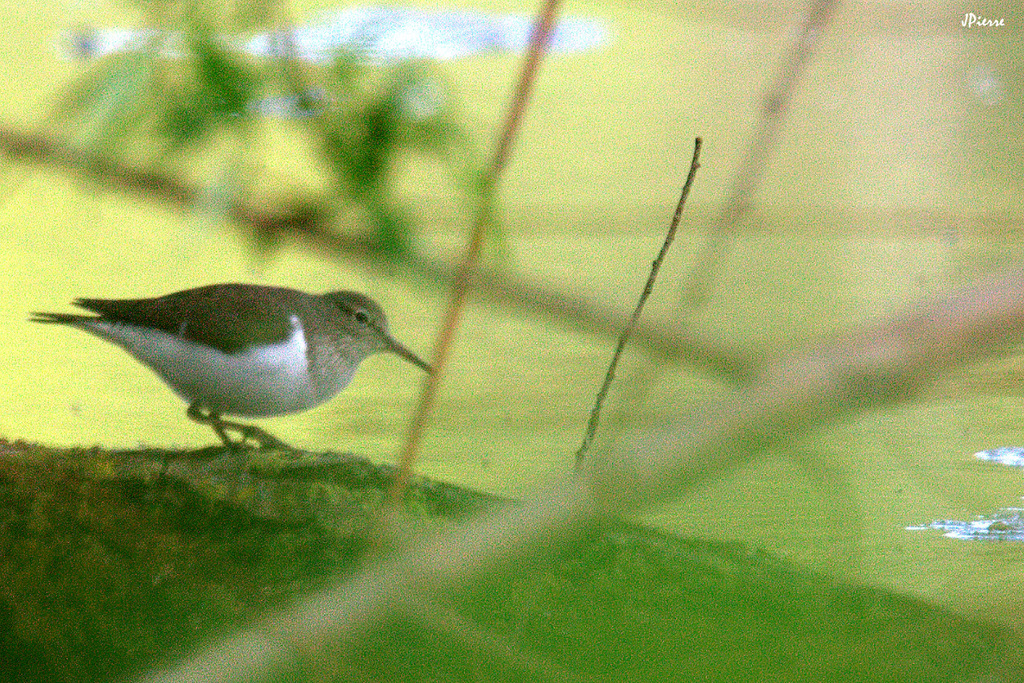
(367, 120)
(218, 96)
(190, 99)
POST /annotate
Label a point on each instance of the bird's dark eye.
(361, 315)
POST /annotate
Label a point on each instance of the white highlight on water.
(1005, 524)
(376, 35)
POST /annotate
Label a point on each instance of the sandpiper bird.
(246, 350)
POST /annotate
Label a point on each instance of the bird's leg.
(248, 432)
(195, 412)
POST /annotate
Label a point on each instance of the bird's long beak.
(397, 347)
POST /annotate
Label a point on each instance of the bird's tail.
(59, 318)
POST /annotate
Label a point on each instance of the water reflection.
(375, 35)
(1005, 524)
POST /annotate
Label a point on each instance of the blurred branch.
(868, 368)
(747, 180)
(443, 618)
(312, 225)
(714, 249)
(471, 259)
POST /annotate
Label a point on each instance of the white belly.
(257, 382)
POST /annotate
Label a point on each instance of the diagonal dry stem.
(460, 288)
(697, 351)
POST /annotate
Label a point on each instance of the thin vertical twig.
(460, 288)
(595, 413)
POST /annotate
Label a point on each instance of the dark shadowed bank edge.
(112, 563)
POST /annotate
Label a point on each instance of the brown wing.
(228, 317)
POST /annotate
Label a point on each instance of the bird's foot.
(262, 439)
